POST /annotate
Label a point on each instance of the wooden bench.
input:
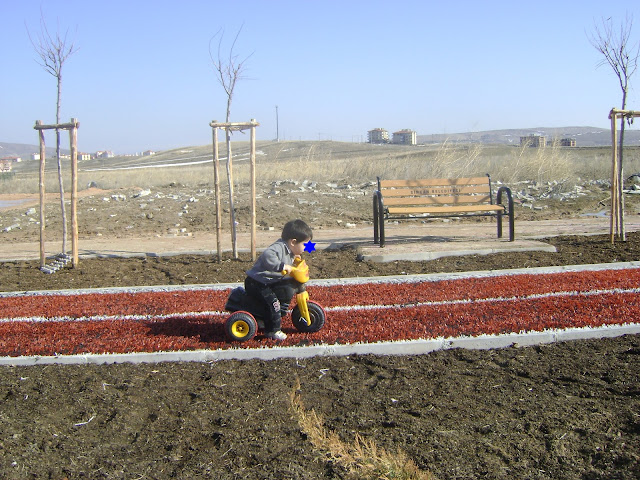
(439, 197)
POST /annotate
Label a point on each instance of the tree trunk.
(232, 209)
(623, 235)
(60, 181)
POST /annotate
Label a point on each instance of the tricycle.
(247, 317)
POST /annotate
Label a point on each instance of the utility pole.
(277, 126)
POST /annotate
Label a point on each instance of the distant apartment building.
(534, 141)
(378, 135)
(6, 163)
(562, 142)
(5, 166)
(405, 137)
(568, 142)
(104, 154)
(11, 159)
(81, 156)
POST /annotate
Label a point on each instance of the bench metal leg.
(512, 235)
(378, 219)
(381, 221)
(376, 232)
(509, 210)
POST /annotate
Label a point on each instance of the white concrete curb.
(433, 255)
(425, 277)
(408, 347)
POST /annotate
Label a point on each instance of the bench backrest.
(437, 191)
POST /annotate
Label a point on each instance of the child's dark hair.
(298, 230)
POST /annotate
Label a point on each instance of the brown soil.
(199, 269)
(564, 411)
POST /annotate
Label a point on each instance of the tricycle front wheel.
(316, 313)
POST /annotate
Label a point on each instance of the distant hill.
(24, 151)
(584, 136)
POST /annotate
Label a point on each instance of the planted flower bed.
(163, 319)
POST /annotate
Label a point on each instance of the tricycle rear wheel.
(241, 326)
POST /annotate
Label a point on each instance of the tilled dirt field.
(564, 411)
(550, 412)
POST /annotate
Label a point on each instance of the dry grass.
(544, 164)
(341, 162)
(362, 460)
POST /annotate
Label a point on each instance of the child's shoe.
(277, 335)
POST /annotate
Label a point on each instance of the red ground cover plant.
(148, 320)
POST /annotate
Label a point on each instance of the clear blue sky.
(143, 79)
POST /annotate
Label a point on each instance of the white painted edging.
(434, 255)
(424, 277)
(408, 347)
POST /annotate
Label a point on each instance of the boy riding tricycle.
(278, 275)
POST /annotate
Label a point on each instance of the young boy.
(267, 281)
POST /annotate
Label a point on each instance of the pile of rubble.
(532, 195)
(59, 261)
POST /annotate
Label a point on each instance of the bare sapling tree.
(620, 54)
(229, 69)
(53, 51)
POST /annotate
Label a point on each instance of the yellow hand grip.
(300, 272)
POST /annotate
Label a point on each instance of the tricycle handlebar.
(300, 271)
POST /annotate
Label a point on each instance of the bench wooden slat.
(427, 182)
(463, 199)
(441, 190)
(447, 209)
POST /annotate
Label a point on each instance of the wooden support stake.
(622, 235)
(59, 126)
(228, 128)
(42, 194)
(253, 191)
(73, 145)
(216, 179)
(617, 176)
(73, 140)
(613, 221)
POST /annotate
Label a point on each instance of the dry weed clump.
(362, 460)
(545, 164)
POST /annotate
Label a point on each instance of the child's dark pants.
(275, 297)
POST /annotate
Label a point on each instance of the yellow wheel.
(241, 326)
